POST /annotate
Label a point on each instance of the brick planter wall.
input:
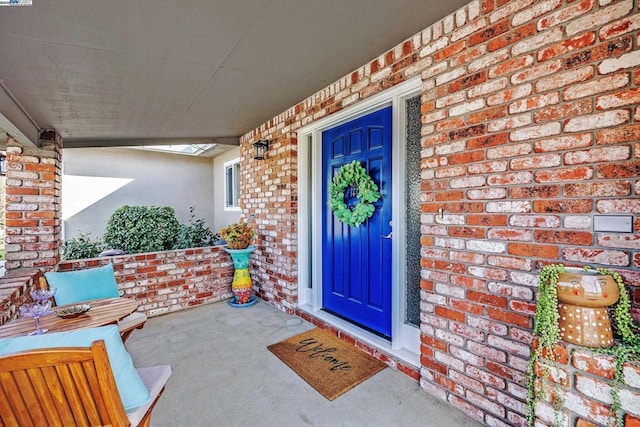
(171, 280)
(162, 282)
(530, 128)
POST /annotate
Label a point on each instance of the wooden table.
(103, 312)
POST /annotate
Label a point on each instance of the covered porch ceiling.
(113, 73)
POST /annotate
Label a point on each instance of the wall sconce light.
(3, 165)
(261, 147)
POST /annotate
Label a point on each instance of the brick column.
(33, 201)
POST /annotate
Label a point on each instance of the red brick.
(532, 250)
(510, 66)
(596, 256)
(450, 314)
(450, 266)
(540, 161)
(409, 371)
(468, 282)
(468, 55)
(564, 79)
(537, 71)
(433, 342)
(468, 132)
(565, 14)
(487, 220)
(618, 99)
(599, 52)
(510, 234)
(468, 81)
(618, 170)
(487, 299)
(488, 114)
(431, 364)
(596, 155)
(602, 189)
(467, 307)
(620, 27)
(581, 422)
(559, 112)
(564, 142)
(578, 173)
(582, 238)
(21, 223)
(563, 206)
(468, 232)
(489, 33)
(596, 86)
(618, 134)
(449, 195)
(518, 34)
(509, 317)
(567, 45)
(537, 192)
(466, 157)
(31, 167)
(631, 421)
(449, 51)
(453, 123)
(21, 191)
(600, 365)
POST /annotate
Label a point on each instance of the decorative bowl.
(72, 311)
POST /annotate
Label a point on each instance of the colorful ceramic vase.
(242, 286)
(583, 297)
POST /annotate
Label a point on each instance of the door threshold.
(369, 338)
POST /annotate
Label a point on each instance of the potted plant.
(238, 236)
(560, 290)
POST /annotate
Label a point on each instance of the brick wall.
(580, 380)
(162, 282)
(530, 128)
(32, 218)
(168, 281)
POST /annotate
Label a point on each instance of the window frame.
(234, 166)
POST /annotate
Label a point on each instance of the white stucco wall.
(106, 178)
(222, 217)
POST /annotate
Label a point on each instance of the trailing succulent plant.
(547, 333)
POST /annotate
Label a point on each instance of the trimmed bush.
(195, 234)
(136, 229)
(83, 246)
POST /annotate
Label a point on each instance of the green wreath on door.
(353, 175)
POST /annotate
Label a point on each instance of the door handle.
(388, 236)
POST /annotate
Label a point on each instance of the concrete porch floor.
(223, 375)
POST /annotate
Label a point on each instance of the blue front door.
(356, 261)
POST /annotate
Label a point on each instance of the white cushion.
(132, 321)
(154, 378)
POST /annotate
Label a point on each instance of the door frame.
(405, 342)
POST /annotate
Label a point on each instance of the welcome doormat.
(328, 364)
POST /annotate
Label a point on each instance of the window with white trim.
(232, 185)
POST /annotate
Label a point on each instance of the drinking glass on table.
(40, 307)
(36, 310)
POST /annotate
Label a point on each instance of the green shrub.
(195, 234)
(136, 229)
(83, 246)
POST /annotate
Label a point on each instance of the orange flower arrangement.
(238, 235)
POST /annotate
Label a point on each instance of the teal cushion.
(130, 386)
(83, 285)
